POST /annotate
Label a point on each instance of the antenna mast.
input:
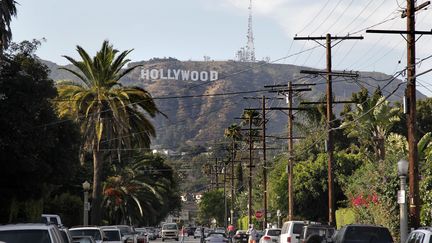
(247, 53)
(250, 44)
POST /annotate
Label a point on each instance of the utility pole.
(330, 179)
(233, 152)
(250, 174)
(264, 159)
(414, 196)
(290, 154)
(290, 137)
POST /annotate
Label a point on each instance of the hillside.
(200, 119)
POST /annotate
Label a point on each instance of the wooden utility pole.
(328, 38)
(290, 137)
(250, 173)
(414, 208)
(290, 154)
(233, 152)
(414, 196)
(264, 159)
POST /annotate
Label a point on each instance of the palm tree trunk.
(96, 210)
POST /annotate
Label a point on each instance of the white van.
(290, 232)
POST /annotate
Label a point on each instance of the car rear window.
(274, 232)
(298, 227)
(25, 236)
(89, 232)
(112, 235)
(367, 235)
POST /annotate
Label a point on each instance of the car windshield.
(170, 227)
(274, 232)
(112, 235)
(89, 232)
(25, 236)
(367, 234)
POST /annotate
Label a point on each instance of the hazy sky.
(190, 29)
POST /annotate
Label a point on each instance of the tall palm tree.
(234, 133)
(110, 115)
(7, 11)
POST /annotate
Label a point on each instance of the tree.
(7, 11)
(211, 206)
(38, 150)
(142, 188)
(371, 123)
(110, 115)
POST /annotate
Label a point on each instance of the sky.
(192, 29)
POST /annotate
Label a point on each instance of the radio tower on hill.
(247, 54)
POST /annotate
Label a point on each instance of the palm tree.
(110, 115)
(7, 11)
(234, 133)
(126, 194)
(371, 122)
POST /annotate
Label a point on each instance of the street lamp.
(402, 173)
(86, 188)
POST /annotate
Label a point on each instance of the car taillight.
(267, 237)
(289, 239)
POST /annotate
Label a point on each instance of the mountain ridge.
(198, 112)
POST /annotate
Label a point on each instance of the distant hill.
(200, 119)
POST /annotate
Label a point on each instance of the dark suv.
(325, 232)
(359, 233)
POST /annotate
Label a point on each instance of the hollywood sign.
(178, 74)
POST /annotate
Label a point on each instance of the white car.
(291, 230)
(270, 236)
(25, 233)
(92, 231)
(421, 235)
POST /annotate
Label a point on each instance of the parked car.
(128, 233)
(360, 233)
(170, 231)
(207, 231)
(325, 232)
(198, 233)
(151, 233)
(421, 235)
(83, 239)
(241, 236)
(51, 218)
(191, 231)
(291, 230)
(25, 233)
(216, 237)
(112, 235)
(67, 237)
(270, 236)
(92, 231)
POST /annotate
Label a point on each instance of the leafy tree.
(38, 149)
(371, 123)
(7, 11)
(212, 206)
(110, 115)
